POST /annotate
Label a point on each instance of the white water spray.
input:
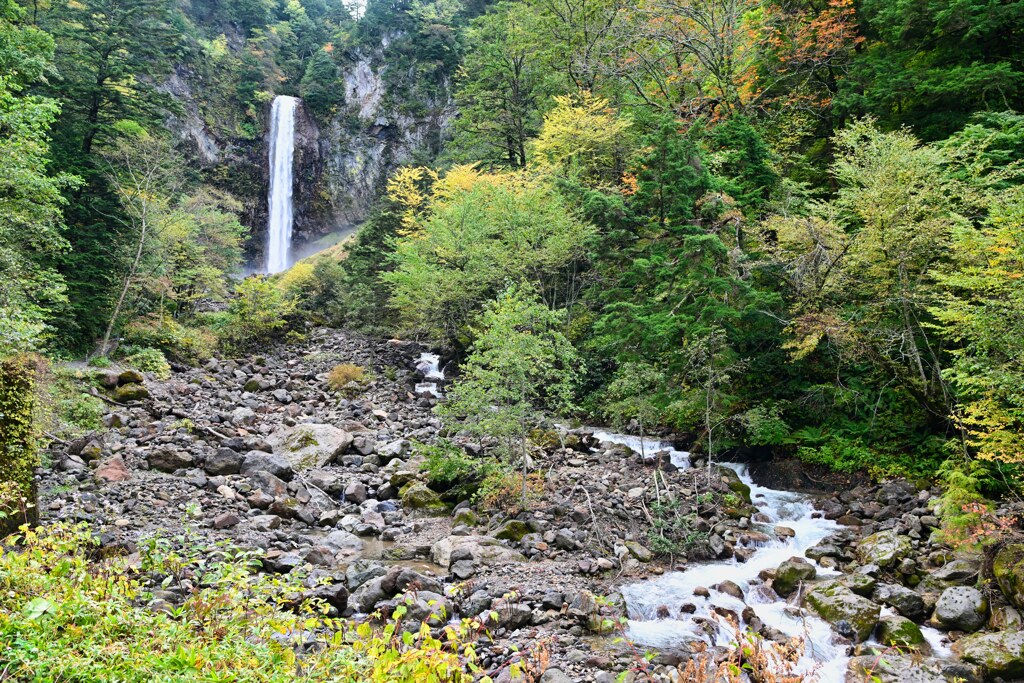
(282, 154)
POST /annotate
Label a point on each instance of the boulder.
(1008, 569)
(343, 542)
(256, 462)
(961, 608)
(130, 377)
(306, 446)
(512, 530)
(113, 469)
(639, 551)
(418, 497)
(131, 392)
(895, 667)
(999, 654)
(898, 631)
(169, 460)
(791, 574)
(848, 612)
(223, 461)
(902, 599)
(483, 550)
(886, 549)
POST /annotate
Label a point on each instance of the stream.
(825, 657)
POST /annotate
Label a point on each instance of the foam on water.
(824, 660)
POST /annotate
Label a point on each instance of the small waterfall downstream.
(428, 366)
(825, 659)
(282, 154)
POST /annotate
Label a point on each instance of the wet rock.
(837, 604)
(1008, 569)
(961, 608)
(307, 446)
(898, 631)
(1000, 654)
(790, 574)
(885, 548)
(902, 599)
(730, 588)
(343, 542)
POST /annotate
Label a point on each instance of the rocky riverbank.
(262, 453)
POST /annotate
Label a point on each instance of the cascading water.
(824, 661)
(282, 154)
(428, 365)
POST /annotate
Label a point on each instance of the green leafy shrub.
(148, 360)
(183, 344)
(452, 471)
(81, 411)
(63, 617)
(100, 362)
(258, 314)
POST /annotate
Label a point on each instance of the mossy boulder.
(885, 549)
(131, 392)
(849, 613)
(512, 530)
(465, 516)
(791, 574)
(896, 631)
(417, 497)
(735, 484)
(130, 377)
(1008, 569)
(999, 654)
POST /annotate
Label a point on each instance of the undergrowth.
(67, 615)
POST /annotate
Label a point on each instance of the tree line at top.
(765, 224)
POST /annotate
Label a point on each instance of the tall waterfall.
(282, 153)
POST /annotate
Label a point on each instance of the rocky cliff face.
(342, 164)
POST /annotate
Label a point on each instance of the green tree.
(503, 84)
(634, 396)
(321, 90)
(31, 199)
(520, 368)
(478, 232)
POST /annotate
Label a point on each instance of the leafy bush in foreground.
(64, 616)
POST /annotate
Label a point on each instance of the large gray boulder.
(306, 446)
(902, 599)
(484, 550)
(961, 608)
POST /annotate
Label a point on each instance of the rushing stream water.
(824, 661)
(282, 154)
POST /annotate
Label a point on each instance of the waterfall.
(282, 153)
